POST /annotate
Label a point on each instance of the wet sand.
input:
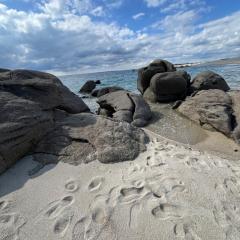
(172, 125)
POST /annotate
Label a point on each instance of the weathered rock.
(88, 87)
(102, 91)
(126, 106)
(211, 109)
(30, 102)
(86, 137)
(145, 74)
(43, 88)
(22, 124)
(235, 96)
(209, 80)
(169, 86)
(116, 101)
(142, 112)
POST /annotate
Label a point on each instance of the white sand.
(169, 192)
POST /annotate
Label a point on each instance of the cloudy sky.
(74, 36)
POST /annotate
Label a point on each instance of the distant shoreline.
(215, 62)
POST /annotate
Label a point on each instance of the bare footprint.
(133, 215)
(99, 216)
(130, 194)
(62, 223)
(166, 210)
(96, 184)
(57, 207)
(10, 225)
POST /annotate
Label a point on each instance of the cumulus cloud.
(66, 38)
(138, 15)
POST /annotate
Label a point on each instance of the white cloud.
(155, 3)
(139, 15)
(98, 11)
(59, 38)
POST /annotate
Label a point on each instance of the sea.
(127, 79)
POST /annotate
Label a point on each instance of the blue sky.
(74, 36)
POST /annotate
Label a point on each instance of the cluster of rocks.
(119, 104)
(40, 116)
(206, 100)
(160, 82)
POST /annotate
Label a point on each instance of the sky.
(79, 36)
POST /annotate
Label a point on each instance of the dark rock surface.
(168, 86)
(102, 91)
(28, 101)
(209, 80)
(88, 87)
(3, 70)
(86, 137)
(126, 106)
(145, 74)
(212, 109)
(235, 96)
(97, 81)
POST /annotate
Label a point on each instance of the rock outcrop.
(212, 109)
(88, 87)
(168, 86)
(28, 101)
(160, 82)
(209, 80)
(102, 91)
(87, 137)
(145, 74)
(125, 106)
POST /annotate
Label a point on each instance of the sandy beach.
(169, 192)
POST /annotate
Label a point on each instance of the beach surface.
(169, 192)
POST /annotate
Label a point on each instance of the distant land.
(223, 61)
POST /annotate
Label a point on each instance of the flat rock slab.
(86, 137)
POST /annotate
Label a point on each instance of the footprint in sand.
(130, 194)
(231, 185)
(133, 215)
(168, 187)
(10, 225)
(71, 186)
(185, 231)
(62, 223)
(79, 229)
(57, 207)
(3, 205)
(197, 164)
(166, 210)
(96, 184)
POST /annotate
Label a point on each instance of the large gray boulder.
(102, 91)
(22, 124)
(209, 80)
(85, 137)
(43, 88)
(212, 109)
(126, 106)
(88, 87)
(168, 86)
(28, 102)
(145, 74)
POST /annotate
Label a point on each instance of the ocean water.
(128, 79)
